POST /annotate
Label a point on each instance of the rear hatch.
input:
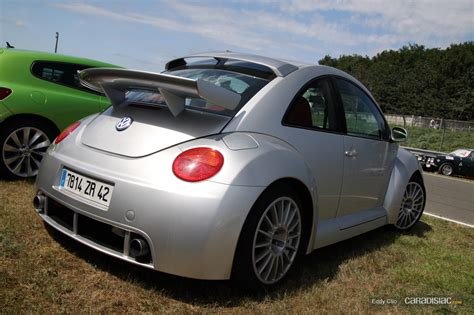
(164, 109)
(152, 129)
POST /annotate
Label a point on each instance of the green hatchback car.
(40, 95)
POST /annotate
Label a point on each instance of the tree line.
(415, 80)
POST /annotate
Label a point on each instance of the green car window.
(60, 72)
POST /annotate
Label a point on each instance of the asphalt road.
(449, 197)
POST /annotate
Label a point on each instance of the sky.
(144, 35)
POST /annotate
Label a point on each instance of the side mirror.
(399, 134)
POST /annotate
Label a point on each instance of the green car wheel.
(23, 143)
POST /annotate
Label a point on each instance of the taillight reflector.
(66, 132)
(197, 164)
(4, 92)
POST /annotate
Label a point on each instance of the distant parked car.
(459, 162)
(40, 95)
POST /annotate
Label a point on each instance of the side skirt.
(331, 231)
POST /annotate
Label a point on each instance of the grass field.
(44, 272)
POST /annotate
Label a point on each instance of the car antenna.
(9, 46)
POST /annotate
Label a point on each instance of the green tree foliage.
(417, 81)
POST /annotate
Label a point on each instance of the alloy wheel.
(23, 150)
(412, 206)
(276, 240)
(447, 169)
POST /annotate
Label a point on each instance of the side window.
(362, 115)
(313, 108)
(61, 73)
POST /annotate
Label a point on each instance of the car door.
(368, 153)
(314, 127)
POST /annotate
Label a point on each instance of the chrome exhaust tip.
(39, 202)
(139, 248)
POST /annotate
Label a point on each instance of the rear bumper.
(192, 228)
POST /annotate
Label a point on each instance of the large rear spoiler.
(114, 83)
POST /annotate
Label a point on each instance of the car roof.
(280, 68)
(45, 56)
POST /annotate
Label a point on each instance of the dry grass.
(42, 271)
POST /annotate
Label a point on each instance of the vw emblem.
(124, 123)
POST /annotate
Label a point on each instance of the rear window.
(244, 85)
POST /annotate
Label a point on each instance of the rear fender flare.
(269, 162)
(285, 164)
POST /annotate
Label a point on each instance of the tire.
(270, 239)
(23, 143)
(413, 204)
(446, 169)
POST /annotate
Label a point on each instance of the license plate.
(86, 187)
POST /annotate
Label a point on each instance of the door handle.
(351, 153)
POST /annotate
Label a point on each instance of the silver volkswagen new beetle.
(227, 165)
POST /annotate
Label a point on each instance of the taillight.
(66, 132)
(4, 92)
(197, 164)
